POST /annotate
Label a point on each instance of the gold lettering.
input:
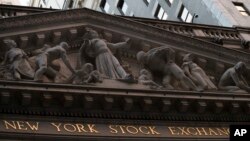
(123, 132)
(190, 132)
(201, 131)
(33, 126)
(223, 131)
(133, 128)
(212, 132)
(183, 131)
(173, 131)
(20, 125)
(7, 124)
(91, 128)
(152, 129)
(69, 127)
(143, 131)
(114, 131)
(80, 128)
(57, 126)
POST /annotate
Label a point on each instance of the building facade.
(220, 12)
(65, 106)
(10, 2)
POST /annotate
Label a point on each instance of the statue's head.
(64, 45)
(145, 72)
(240, 67)
(10, 43)
(188, 57)
(90, 34)
(88, 67)
(140, 56)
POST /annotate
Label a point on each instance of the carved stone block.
(165, 105)
(88, 101)
(247, 108)
(218, 107)
(72, 33)
(26, 99)
(146, 104)
(183, 106)
(24, 41)
(40, 38)
(56, 37)
(201, 106)
(5, 98)
(108, 102)
(46, 99)
(68, 100)
(127, 103)
(234, 108)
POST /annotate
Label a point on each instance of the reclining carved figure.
(161, 59)
(233, 79)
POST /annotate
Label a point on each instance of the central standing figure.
(106, 63)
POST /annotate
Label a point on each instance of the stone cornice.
(99, 102)
(132, 28)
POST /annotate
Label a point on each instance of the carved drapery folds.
(96, 60)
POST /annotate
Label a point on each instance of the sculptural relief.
(45, 58)
(146, 78)
(15, 65)
(233, 79)
(161, 59)
(99, 50)
(85, 75)
(196, 73)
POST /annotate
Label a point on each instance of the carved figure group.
(98, 49)
(162, 60)
(97, 62)
(196, 73)
(15, 65)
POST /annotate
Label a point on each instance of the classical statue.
(233, 79)
(86, 74)
(146, 78)
(15, 64)
(45, 58)
(196, 73)
(161, 60)
(99, 50)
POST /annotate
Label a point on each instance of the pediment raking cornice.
(59, 19)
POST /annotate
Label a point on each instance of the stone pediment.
(31, 32)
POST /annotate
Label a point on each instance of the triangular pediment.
(33, 31)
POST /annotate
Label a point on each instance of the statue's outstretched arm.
(125, 44)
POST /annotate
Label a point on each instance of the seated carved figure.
(146, 78)
(196, 74)
(161, 59)
(233, 79)
(86, 74)
(98, 50)
(46, 57)
(15, 65)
